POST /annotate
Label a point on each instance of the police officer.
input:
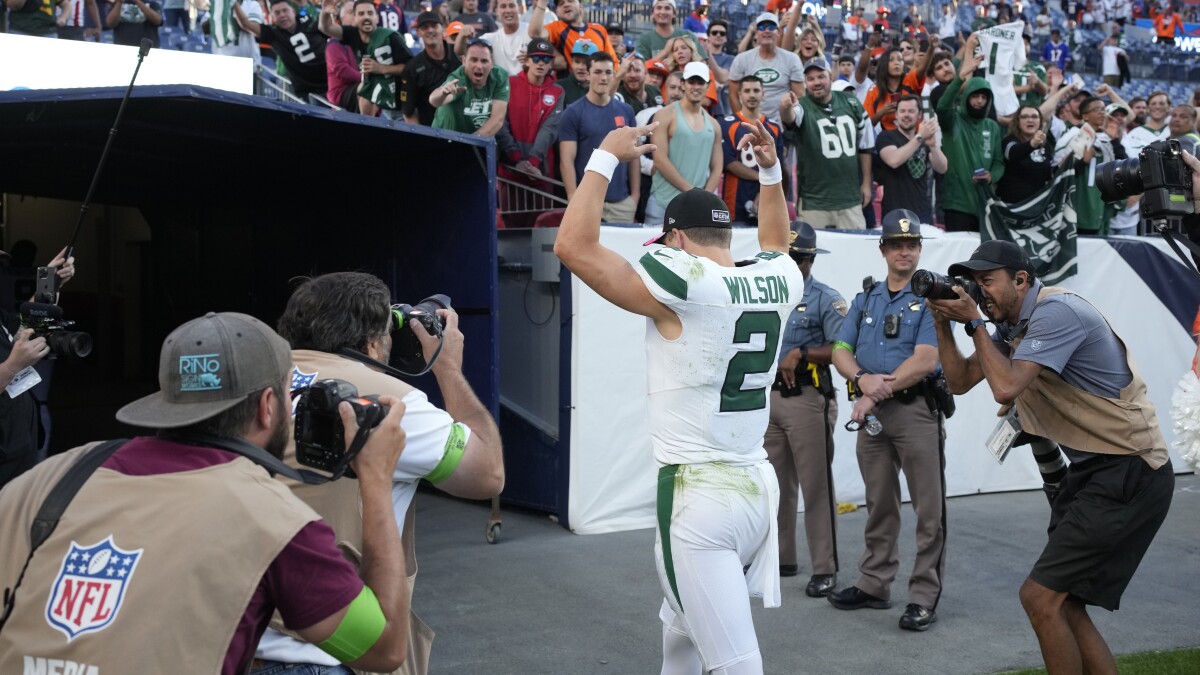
(799, 438)
(887, 350)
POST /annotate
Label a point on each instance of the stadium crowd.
(548, 84)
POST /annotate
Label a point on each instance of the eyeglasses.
(1032, 117)
(767, 25)
(1095, 110)
(541, 58)
(478, 41)
(718, 33)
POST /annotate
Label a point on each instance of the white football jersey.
(709, 388)
(1003, 51)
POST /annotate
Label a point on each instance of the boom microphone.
(143, 50)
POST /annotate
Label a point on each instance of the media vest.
(1082, 420)
(143, 573)
(339, 504)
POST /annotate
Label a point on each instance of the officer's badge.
(90, 587)
(841, 307)
(802, 307)
(914, 306)
(904, 225)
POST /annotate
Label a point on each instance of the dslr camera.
(1157, 173)
(406, 348)
(934, 286)
(320, 436)
(45, 318)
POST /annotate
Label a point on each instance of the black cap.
(694, 208)
(539, 46)
(803, 238)
(901, 224)
(992, 255)
(429, 17)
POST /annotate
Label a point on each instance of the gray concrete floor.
(543, 600)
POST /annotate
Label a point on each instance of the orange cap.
(454, 29)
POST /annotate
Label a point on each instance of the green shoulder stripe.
(768, 255)
(664, 277)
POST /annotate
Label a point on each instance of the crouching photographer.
(343, 326)
(1056, 359)
(187, 526)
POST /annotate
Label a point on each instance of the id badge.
(23, 381)
(1002, 437)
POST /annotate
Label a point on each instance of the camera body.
(320, 436)
(46, 321)
(1158, 173)
(934, 286)
(407, 353)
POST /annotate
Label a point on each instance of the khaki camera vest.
(340, 505)
(189, 550)
(1127, 425)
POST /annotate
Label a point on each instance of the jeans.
(278, 668)
(178, 17)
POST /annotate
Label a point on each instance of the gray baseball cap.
(207, 366)
(815, 62)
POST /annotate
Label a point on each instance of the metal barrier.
(527, 193)
(272, 85)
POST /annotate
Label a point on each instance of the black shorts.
(1101, 524)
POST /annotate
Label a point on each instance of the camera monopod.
(143, 50)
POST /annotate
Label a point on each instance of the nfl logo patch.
(548, 99)
(300, 380)
(90, 587)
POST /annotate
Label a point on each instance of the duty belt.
(807, 374)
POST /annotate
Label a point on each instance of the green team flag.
(222, 25)
(1045, 225)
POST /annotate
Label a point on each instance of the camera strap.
(394, 372)
(1173, 240)
(266, 460)
(53, 507)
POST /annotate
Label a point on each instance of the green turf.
(1177, 662)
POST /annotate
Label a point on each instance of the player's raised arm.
(578, 244)
(773, 225)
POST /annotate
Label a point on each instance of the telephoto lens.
(926, 284)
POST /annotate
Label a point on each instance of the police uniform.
(882, 331)
(799, 437)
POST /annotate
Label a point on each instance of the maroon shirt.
(308, 581)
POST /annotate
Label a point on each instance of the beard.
(280, 433)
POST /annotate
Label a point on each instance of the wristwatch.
(857, 377)
(920, 138)
(973, 324)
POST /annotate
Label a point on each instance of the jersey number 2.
(749, 324)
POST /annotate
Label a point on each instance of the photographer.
(19, 413)
(188, 526)
(1071, 379)
(458, 449)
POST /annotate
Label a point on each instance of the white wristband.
(771, 175)
(603, 163)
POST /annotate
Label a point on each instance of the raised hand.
(762, 143)
(624, 143)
